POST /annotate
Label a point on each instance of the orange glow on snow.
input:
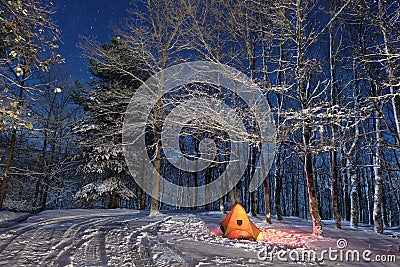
(278, 237)
(216, 231)
(285, 238)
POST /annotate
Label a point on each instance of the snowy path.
(77, 237)
(132, 238)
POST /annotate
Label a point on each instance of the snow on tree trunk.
(10, 154)
(154, 209)
(333, 152)
(350, 166)
(390, 70)
(43, 154)
(378, 190)
(314, 208)
(49, 173)
(3, 186)
(354, 181)
(156, 183)
(354, 184)
(221, 205)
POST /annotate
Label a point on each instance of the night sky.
(90, 18)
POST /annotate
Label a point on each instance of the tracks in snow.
(85, 239)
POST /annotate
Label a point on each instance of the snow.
(96, 190)
(8, 218)
(124, 237)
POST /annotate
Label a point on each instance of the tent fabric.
(237, 225)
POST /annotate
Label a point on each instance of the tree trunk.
(142, 204)
(231, 185)
(305, 199)
(154, 209)
(196, 177)
(114, 201)
(253, 203)
(354, 185)
(335, 198)
(239, 191)
(267, 202)
(278, 185)
(44, 148)
(41, 168)
(10, 152)
(156, 184)
(378, 190)
(221, 205)
(346, 181)
(296, 202)
(390, 70)
(334, 96)
(370, 194)
(48, 174)
(313, 204)
(207, 191)
(385, 209)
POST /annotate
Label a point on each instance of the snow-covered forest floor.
(132, 238)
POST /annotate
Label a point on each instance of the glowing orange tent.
(237, 225)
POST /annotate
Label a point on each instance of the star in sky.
(86, 18)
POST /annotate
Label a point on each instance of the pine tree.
(100, 130)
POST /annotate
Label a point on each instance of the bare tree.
(27, 31)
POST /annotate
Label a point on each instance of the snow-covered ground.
(132, 238)
(9, 218)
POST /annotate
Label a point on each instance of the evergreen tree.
(117, 71)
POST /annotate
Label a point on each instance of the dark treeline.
(328, 68)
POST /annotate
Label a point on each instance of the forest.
(328, 69)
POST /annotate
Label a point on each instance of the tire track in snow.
(105, 239)
(156, 251)
(95, 249)
(121, 241)
(18, 230)
(34, 242)
(151, 249)
(33, 237)
(61, 253)
(77, 240)
(87, 246)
